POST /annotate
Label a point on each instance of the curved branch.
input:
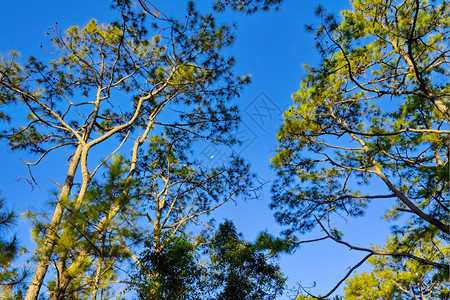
(344, 278)
(46, 152)
(411, 62)
(376, 252)
(110, 155)
(377, 170)
(370, 254)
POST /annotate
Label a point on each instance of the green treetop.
(223, 266)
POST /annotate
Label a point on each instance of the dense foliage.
(223, 266)
(396, 277)
(11, 277)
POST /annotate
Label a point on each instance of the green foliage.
(176, 190)
(92, 238)
(100, 61)
(274, 245)
(241, 271)
(225, 267)
(169, 191)
(398, 278)
(109, 87)
(375, 111)
(8, 70)
(172, 273)
(11, 278)
(403, 140)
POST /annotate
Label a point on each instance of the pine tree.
(113, 84)
(375, 111)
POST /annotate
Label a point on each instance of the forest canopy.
(130, 103)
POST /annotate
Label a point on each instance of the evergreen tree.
(397, 277)
(240, 269)
(374, 112)
(160, 72)
(223, 266)
(172, 272)
(11, 278)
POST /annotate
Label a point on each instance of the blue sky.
(272, 47)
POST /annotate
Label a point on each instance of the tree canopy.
(397, 277)
(130, 103)
(119, 84)
(11, 277)
(220, 266)
(375, 111)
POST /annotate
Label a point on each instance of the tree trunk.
(52, 233)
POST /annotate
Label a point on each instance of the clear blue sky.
(272, 47)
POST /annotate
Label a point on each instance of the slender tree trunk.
(99, 266)
(97, 278)
(157, 252)
(65, 278)
(52, 233)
